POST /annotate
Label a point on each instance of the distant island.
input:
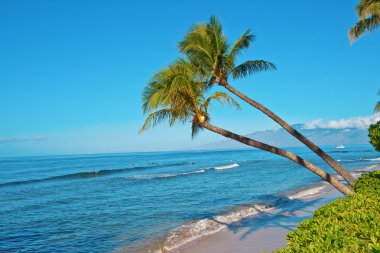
(279, 137)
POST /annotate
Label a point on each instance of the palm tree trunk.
(253, 143)
(334, 164)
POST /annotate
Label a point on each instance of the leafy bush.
(345, 225)
(368, 183)
(374, 135)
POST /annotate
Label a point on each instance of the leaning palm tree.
(369, 15)
(377, 107)
(176, 94)
(206, 46)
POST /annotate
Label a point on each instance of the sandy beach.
(267, 231)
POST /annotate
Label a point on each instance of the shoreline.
(266, 229)
(264, 232)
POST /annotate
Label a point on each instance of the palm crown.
(207, 47)
(176, 94)
(369, 15)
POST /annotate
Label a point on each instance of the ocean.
(138, 202)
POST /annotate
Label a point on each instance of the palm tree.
(377, 107)
(369, 15)
(176, 94)
(206, 46)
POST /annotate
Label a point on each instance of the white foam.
(371, 159)
(369, 168)
(241, 213)
(189, 232)
(193, 172)
(357, 172)
(179, 174)
(308, 193)
(358, 160)
(153, 176)
(226, 167)
(193, 230)
(339, 160)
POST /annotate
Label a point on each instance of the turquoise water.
(110, 202)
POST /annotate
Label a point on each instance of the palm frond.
(377, 107)
(242, 43)
(218, 46)
(222, 97)
(215, 31)
(174, 93)
(367, 25)
(157, 117)
(368, 8)
(195, 128)
(252, 67)
(153, 93)
(196, 44)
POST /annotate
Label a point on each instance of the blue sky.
(72, 72)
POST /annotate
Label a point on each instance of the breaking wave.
(193, 230)
(307, 193)
(226, 167)
(155, 176)
(369, 168)
(348, 160)
(359, 160)
(371, 159)
(171, 175)
(86, 175)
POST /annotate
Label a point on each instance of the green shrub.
(345, 225)
(368, 182)
(374, 135)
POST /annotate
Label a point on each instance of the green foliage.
(345, 225)
(369, 15)
(176, 94)
(368, 183)
(206, 46)
(374, 135)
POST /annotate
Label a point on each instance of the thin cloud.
(16, 139)
(356, 122)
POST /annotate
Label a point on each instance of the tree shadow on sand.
(283, 216)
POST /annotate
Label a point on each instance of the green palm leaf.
(207, 46)
(252, 67)
(377, 107)
(242, 43)
(222, 97)
(368, 8)
(157, 117)
(369, 15)
(366, 25)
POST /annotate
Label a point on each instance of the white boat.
(340, 146)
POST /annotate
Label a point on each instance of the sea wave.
(226, 167)
(307, 193)
(194, 230)
(371, 159)
(171, 175)
(359, 160)
(358, 172)
(347, 160)
(369, 168)
(158, 176)
(85, 175)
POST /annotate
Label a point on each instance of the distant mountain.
(281, 138)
